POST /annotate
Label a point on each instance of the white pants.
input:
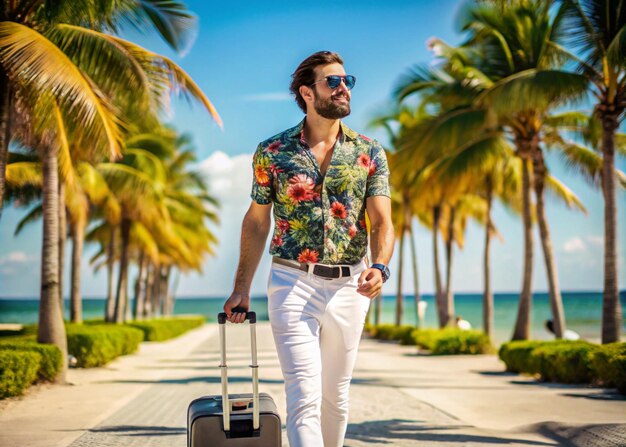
(317, 325)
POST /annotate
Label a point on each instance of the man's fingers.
(362, 278)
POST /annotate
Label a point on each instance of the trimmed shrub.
(608, 365)
(564, 361)
(516, 355)
(96, 345)
(167, 328)
(18, 369)
(459, 341)
(383, 331)
(403, 334)
(425, 338)
(51, 357)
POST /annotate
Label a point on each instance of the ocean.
(583, 311)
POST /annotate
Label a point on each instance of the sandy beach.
(399, 397)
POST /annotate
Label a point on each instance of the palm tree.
(597, 30)
(164, 205)
(72, 76)
(519, 50)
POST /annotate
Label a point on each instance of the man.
(320, 177)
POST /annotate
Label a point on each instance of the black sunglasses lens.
(333, 81)
(350, 81)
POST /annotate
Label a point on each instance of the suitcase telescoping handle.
(221, 319)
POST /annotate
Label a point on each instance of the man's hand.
(237, 299)
(370, 283)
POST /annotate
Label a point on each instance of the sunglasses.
(333, 81)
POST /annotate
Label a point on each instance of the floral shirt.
(319, 218)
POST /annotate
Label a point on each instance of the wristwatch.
(384, 270)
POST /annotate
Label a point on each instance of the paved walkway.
(399, 398)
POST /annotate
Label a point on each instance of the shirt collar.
(297, 132)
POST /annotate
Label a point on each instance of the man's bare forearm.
(382, 240)
(253, 237)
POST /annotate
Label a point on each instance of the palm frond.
(562, 192)
(32, 216)
(40, 65)
(533, 89)
(24, 173)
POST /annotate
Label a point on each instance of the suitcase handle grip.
(251, 316)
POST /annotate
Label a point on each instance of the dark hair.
(305, 73)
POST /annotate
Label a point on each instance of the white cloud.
(597, 241)
(271, 96)
(229, 178)
(574, 245)
(16, 257)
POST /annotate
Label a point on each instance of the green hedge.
(459, 341)
(516, 355)
(167, 328)
(96, 345)
(564, 362)
(447, 341)
(608, 364)
(568, 361)
(51, 357)
(18, 369)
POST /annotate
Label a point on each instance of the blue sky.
(242, 58)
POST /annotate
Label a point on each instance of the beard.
(330, 109)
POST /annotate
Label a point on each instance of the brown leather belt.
(325, 271)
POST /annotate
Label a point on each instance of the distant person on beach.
(463, 324)
(567, 335)
(319, 178)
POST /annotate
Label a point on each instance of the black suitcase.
(235, 419)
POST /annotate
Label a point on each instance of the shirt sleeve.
(378, 179)
(261, 177)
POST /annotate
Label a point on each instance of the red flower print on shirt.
(273, 148)
(283, 225)
(372, 168)
(277, 241)
(364, 161)
(307, 255)
(301, 188)
(338, 210)
(352, 231)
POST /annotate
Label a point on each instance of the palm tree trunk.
(62, 243)
(51, 328)
(169, 297)
(441, 309)
(148, 287)
(78, 238)
(110, 307)
(611, 306)
(121, 298)
(156, 291)
(162, 290)
(522, 324)
(416, 289)
(488, 294)
(449, 256)
(556, 302)
(140, 288)
(5, 136)
(399, 294)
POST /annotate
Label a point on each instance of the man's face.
(328, 103)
